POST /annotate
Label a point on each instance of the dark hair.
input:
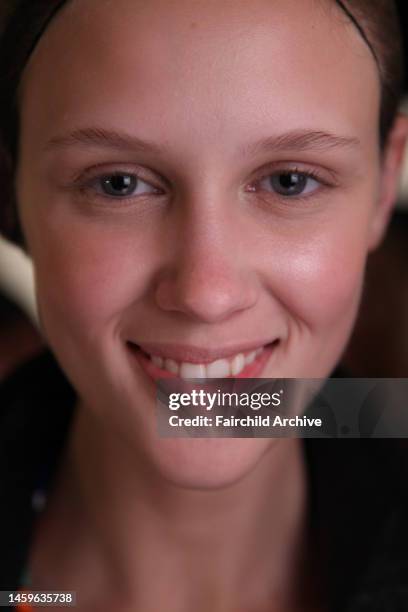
(376, 20)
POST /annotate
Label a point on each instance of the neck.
(155, 542)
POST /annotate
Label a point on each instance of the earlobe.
(393, 158)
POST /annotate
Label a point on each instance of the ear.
(391, 167)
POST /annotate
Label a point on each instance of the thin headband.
(44, 25)
(350, 15)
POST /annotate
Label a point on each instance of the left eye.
(290, 183)
(123, 186)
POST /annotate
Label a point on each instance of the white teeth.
(221, 368)
(158, 361)
(237, 364)
(172, 366)
(250, 358)
(192, 370)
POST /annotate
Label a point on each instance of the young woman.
(199, 185)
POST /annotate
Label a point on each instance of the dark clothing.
(36, 407)
(358, 494)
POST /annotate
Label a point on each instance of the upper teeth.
(221, 368)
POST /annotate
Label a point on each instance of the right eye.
(122, 185)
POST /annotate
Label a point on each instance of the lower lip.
(252, 370)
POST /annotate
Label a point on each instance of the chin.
(208, 463)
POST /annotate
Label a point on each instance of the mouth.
(188, 362)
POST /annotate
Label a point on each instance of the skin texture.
(214, 259)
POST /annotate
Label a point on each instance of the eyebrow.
(100, 137)
(298, 140)
(302, 140)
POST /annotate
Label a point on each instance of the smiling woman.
(198, 186)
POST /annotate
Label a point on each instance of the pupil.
(289, 180)
(119, 184)
(290, 183)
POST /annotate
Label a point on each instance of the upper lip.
(194, 354)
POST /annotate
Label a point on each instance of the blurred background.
(379, 344)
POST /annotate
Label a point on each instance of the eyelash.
(87, 185)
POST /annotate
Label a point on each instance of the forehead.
(203, 65)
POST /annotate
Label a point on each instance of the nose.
(207, 279)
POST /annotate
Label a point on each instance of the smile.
(242, 364)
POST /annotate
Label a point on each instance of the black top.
(358, 493)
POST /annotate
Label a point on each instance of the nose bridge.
(206, 257)
(206, 278)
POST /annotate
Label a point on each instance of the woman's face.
(154, 186)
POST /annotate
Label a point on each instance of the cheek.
(325, 280)
(86, 278)
(316, 276)
(321, 266)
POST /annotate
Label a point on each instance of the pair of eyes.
(284, 183)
